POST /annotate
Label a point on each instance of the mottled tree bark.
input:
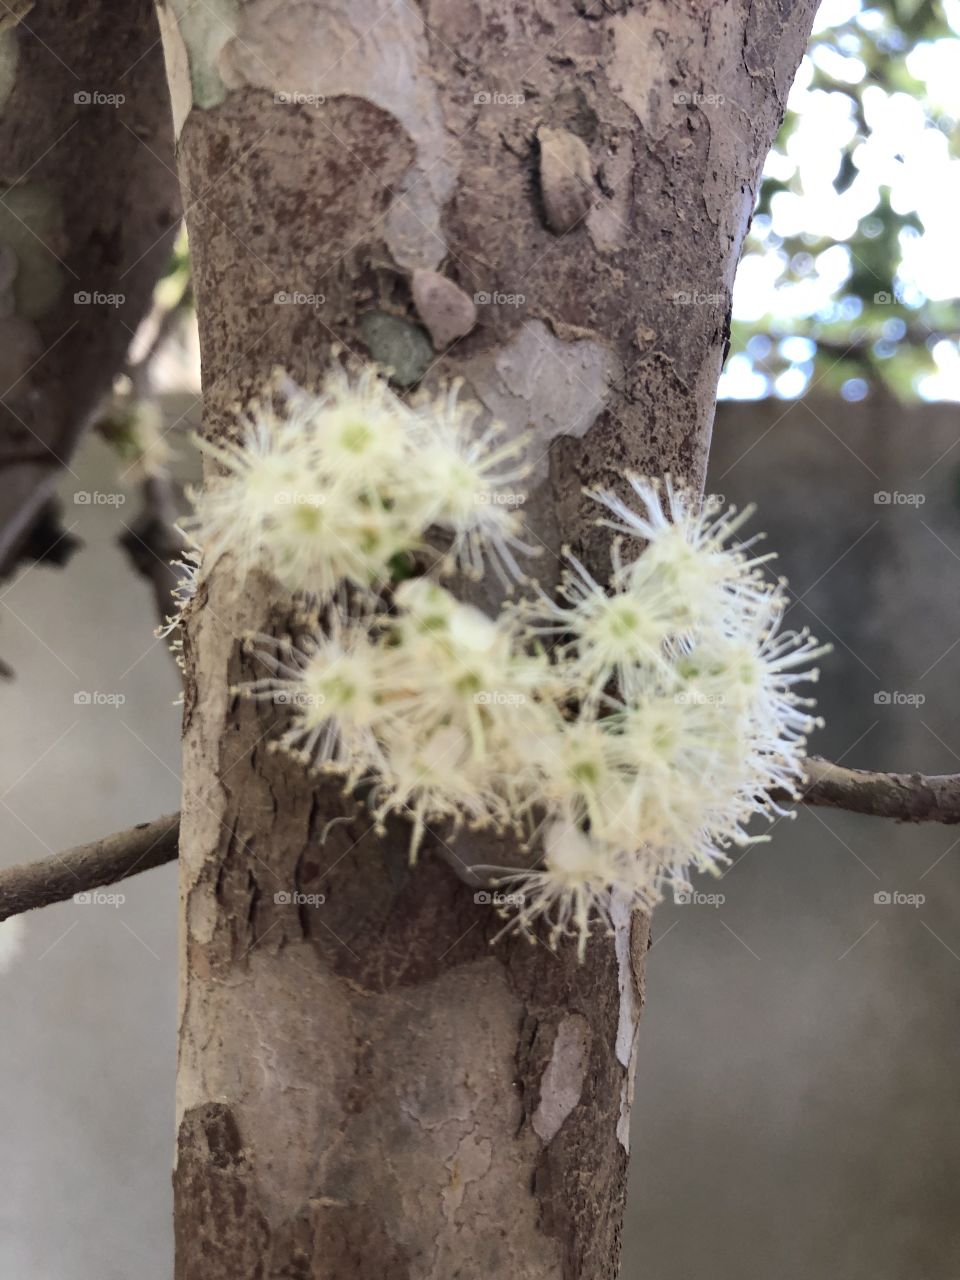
(89, 201)
(366, 1088)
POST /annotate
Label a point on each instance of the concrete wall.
(88, 1009)
(797, 1087)
(798, 1091)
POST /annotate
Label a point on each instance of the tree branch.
(105, 861)
(907, 797)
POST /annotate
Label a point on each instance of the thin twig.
(907, 797)
(105, 861)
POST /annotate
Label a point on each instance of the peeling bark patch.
(368, 49)
(328, 182)
(443, 307)
(216, 1207)
(630, 947)
(562, 1081)
(402, 1164)
(538, 383)
(194, 36)
(566, 182)
(622, 918)
(626, 1104)
(643, 65)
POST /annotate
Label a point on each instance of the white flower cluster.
(625, 732)
(335, 488)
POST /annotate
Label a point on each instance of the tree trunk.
(366, 1087)
(89, 203)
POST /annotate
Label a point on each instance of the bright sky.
(903, 151)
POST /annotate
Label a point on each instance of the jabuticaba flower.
(623, 733)
(333, 488)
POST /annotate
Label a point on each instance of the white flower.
(432, 704)
(467, 480)
(461, 683)
(688, 552)
(579, 766)
(604, 636)
(234, 511)
(337, 685)
(314, 494)
(571, 892)
(188, 578)
(466, 669)
(361, 429)
(431, 778)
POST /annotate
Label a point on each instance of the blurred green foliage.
(874, 333)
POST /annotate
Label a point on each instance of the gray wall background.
(797, 1087)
